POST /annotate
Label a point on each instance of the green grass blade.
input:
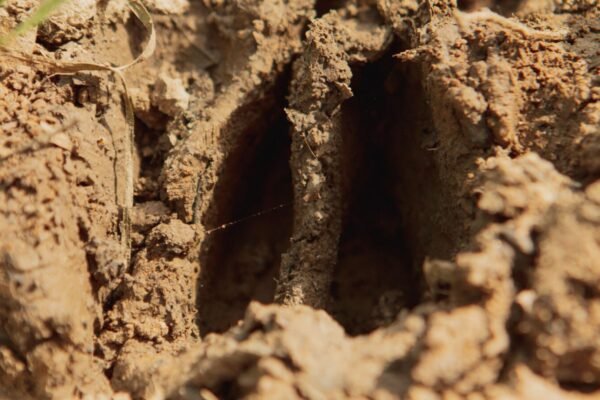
(38, 16)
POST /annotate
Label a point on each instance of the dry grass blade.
(144, 17)
(124, 169)
(125, 176)
(464, 19)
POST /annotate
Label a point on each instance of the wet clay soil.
(320, 200)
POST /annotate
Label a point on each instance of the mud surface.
(340, 199)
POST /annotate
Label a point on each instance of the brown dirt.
(340, 199)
